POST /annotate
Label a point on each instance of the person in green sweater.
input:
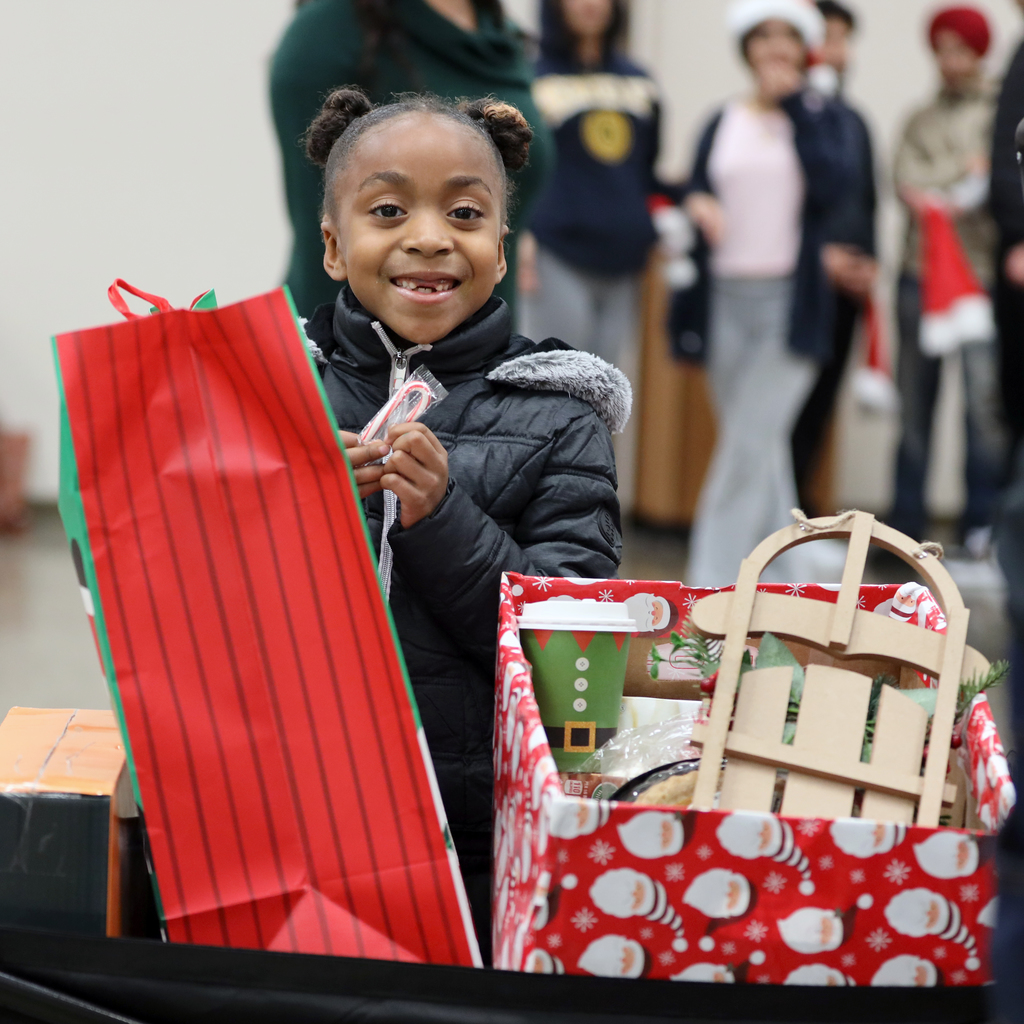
(452, 48)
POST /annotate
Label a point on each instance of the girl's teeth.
(441, 286)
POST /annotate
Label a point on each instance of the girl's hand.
(706, 212)
(367, 477)
(417, 471)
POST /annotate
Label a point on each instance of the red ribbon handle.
(117, 300)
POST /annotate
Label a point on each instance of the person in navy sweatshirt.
(592, 227)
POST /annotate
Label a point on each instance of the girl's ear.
(502, 262)
(334, 261)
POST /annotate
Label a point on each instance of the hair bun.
(509, 130)
(340, 109)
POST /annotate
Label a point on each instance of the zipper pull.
(399, 371)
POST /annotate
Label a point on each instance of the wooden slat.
(860, 774)
(853, 573)
(930, 805)
(811, 622)
(898, 746)
(760, 713)
(740, 603)
(830, 726)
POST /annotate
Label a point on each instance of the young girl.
(514, 470)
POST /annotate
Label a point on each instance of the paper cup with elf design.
(578, 652)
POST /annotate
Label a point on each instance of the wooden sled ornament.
(824, 762)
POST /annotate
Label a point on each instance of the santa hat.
(955, 309)
(873, 385)
(746, 15)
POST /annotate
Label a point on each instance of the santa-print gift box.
(617, 890)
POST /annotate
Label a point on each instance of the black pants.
(474, 850)
(809, 432)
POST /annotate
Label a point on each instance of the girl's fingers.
(407, 467)
(360, 454)
(414, 433)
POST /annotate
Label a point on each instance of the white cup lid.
(588, 614)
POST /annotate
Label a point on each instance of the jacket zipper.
(399, 359)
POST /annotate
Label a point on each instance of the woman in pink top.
(769, 168)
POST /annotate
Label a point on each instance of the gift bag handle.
(117, 300)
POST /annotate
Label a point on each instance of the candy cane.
(413, 390)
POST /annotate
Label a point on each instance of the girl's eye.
(387, 210)
(465, 213)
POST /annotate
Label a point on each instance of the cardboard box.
(71, 850)
(613, 889)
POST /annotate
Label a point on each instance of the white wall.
(137, 143)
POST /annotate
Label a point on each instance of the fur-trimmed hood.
(580, 374)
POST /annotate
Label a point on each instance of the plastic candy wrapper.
(631, 752)
(670, 786)
(411, 400)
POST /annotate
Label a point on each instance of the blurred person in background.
(943, 158)
(770, 169)
(1007, 208)
(452, 48)
(591, 229)
(849, 255)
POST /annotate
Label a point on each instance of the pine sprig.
(698, 651)
(970, 688)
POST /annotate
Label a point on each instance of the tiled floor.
(47, 656)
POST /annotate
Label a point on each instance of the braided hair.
(347, 115)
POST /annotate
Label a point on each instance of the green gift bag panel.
(578, 653)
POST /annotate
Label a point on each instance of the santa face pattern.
(653, 834)
(606, 889)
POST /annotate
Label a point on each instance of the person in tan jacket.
(943, 157)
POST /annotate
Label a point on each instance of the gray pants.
(759, 387)
(597, 313)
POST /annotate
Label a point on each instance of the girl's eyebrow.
(466, 180)
(396, 178)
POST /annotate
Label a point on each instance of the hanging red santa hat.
(955, 309)
(873, 385)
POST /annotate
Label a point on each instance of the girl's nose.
(427, 235)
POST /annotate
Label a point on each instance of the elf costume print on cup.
(578, 651)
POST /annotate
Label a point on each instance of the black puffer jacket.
(532, 490)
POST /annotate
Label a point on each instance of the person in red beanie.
(943, 159)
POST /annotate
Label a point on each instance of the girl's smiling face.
(419, 225)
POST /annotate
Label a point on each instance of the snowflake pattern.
(666, 958)
(764, 979)
(775, 883)
(826, 863)
(857, 876)
(674, 872)
(969, 893)
(601, 852)
(958, 977)
(690, 600)
(795, 590)
(563, 856)
(606, 595)
(848, 959)
(646, 933)
(939, 952)
(728, 948)
(809, 827)
(879, 940)
(584, 919)
(897, 872)
(756, 931)
(543, 584)
(554, 941)
(704, 851)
